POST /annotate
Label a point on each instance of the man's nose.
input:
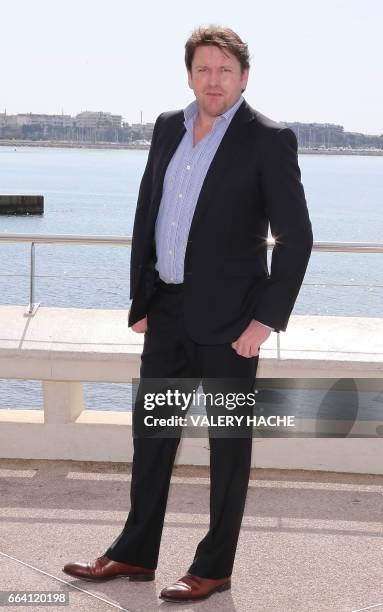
(214, 78)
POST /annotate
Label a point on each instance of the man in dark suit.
(218, 173)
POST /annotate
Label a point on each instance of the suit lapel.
(224, 155)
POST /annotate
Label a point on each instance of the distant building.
(143, 131)
(99, 120)
(36, 119)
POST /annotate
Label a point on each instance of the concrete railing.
(64, 347)
(33, 239)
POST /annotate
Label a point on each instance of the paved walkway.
(310, 541)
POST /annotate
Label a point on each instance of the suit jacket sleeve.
(286, 208)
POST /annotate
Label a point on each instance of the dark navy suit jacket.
(254, 180)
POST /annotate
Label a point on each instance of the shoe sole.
(131, 577)
(222, 587)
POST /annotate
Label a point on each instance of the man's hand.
(249, 342)
(141, 326)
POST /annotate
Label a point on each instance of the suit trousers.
(169, 352)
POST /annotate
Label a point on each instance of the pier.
(21, 204)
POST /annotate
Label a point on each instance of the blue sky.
(311, 61)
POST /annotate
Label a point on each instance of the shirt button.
(180, 195)
(171, 278)
(188, 167)
(173, 222)
(170, 252)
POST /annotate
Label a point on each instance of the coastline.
(116, 145)
(62, 144)
(377, 152)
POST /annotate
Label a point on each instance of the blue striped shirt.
(183, 181)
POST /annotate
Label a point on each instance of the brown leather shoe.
(191, 588)
(104, 568)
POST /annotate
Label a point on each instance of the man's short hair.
(221, 37)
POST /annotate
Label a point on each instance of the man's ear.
(244, 77)
(190, 79)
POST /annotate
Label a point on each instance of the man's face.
(217, 79)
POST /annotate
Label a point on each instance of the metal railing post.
(32, 307)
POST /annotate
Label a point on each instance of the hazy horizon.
(311, 64)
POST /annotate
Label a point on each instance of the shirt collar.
(190, 112)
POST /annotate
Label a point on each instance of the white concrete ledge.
(64, 347)
(97, 345)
